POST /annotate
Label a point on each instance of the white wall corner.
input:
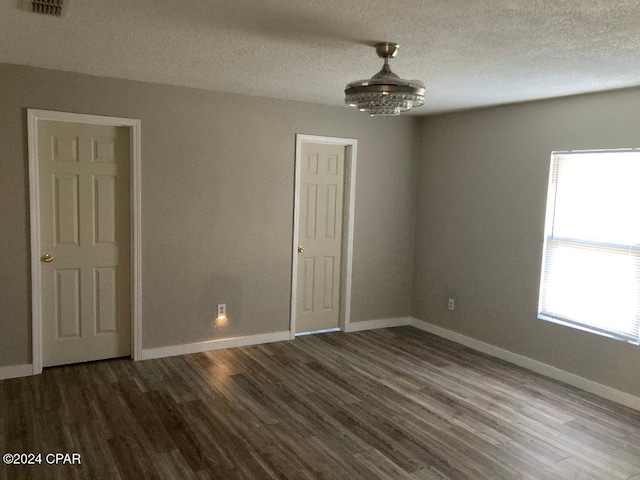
(379, 323)
(15, 371)
(218, 344)
(582, 383)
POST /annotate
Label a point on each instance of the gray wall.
(479, 226)
(217, 206)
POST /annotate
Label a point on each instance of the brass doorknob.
(300, 249)
(46, 258)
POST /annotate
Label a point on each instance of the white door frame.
(33, 117)
(351, 154)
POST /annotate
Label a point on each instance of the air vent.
(55, 8)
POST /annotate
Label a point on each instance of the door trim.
(350, 158)
(33, 117)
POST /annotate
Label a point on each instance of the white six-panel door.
(320, 237)
(84, 226)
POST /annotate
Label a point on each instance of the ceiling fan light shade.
(385, 94)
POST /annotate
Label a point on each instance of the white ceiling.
(469, 53)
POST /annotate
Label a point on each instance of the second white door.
(320, 237)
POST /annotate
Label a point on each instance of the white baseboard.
(15, 371)
(582, 383)
(184, 349)
(379, 323)
(587, 385)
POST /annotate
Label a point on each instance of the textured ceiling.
(469, 53)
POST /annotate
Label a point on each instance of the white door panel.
(84, 225)
(320, 235)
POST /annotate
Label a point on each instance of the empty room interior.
(240, 241)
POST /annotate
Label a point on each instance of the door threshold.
(326, 330)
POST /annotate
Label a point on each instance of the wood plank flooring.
(386, 404)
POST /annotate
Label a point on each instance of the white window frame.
(548, 237)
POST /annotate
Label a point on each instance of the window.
(591, 256)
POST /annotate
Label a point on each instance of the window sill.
(585, 328)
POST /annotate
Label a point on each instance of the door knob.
(300, 249)
(46, 258)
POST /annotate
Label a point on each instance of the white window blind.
(591, 257)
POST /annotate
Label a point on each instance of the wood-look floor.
(386, 404)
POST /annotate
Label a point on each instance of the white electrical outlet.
(222, 310)
(452, 304)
